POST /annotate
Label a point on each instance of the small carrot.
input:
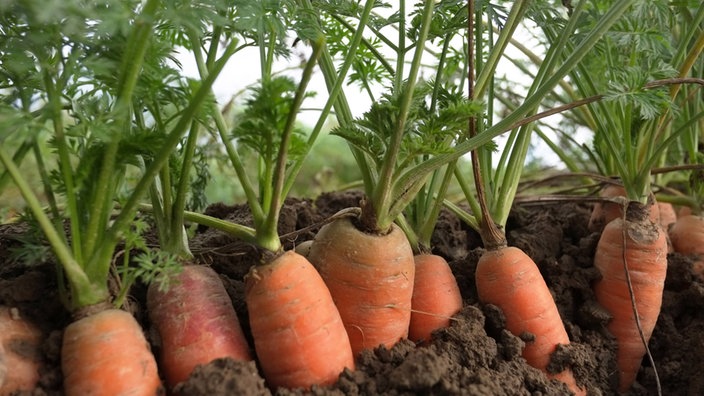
(20, 359)
(645, 255)
(370, 278)
(668, 215)
(298, 334)
(687, 237)
(196, 323)
(508, 278)
(436, 297)
(107, 354)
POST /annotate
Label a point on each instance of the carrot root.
(20, 358)
(370, 278)
(196, 323)
(436, 297)
(687, 237)
(646, 259)
(298, 334)
(508, 278)
(107, 354)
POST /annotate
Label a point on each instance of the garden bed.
(475, 356)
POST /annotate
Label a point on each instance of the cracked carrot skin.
(106, 354)
(299, 337)
(20, 357)
(196, 323)
(370, 278)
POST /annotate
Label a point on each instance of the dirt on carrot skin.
(475, 356)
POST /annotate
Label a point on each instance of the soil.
(474, 356)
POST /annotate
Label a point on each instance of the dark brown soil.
(475, 356)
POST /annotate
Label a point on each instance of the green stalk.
(101, 258)
(267, 235)
(384, 188)
(83, 291)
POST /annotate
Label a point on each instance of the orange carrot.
(645, 258)
(298, 334)
(604, 212)
(436, 297)
(371, 280)
(106, 354)
(508, 278)
(667, 215)
(20, 360)
(687, 237)
(196, 323)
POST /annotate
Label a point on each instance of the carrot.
(106, 354)
(20, 359)
(667, 215)
(645, 255)
(436, 297)
(196, 323)
(298, 334)
(604, 212)
(370, 278)
(687, 237)
(508, 278)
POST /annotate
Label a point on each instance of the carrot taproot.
(299, 337)
(436, 297)
(687, 237)
(370, 278)
(509, 279)
(668, 216)
(106, 353)
(604, 212)
(645, 255)
(196, 323)
(20, 357)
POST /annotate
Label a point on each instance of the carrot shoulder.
(20, 359)
(107, 354)
(646, 260)
(298, 334)
(508, 278)
(436, 297)
(371, 280)
(196, 323)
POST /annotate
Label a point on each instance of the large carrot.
(196, 323)
(106, 354)
(436, 297)
(640, 261)
(604, 212)
(687, 237)
(298, 333)
(20, 359)
(508, 278)
(370, 277)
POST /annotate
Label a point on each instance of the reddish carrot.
(298, 333)
(645, 255)
(667, 215)
(20, 359)
(196, 323)
(508, 278)
(106, 354)
(436, 297)
(371, 280)
(687, 237)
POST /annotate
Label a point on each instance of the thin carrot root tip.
(299, 337)
(510, 280)
(366, 274)
(645, 257)
(436, 297)
(107, 354)
(196, 323)
(20, 356)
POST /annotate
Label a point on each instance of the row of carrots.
(311, 315)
